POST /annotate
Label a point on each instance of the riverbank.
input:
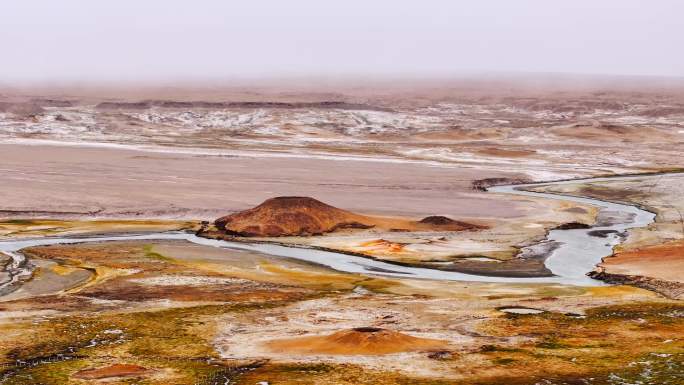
(576, 250)
(651, 256)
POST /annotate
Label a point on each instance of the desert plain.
(398, 174)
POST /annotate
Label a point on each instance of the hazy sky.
(205, 39)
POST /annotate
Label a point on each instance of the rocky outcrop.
(484, 184)
(438, 222)
(284, 216)
(672, 290)
(572, 226)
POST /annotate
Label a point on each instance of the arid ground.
(86, 162)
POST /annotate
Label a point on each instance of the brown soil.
(575, 210)
(21, 109)
(484, 184)
(610, 194)
(438, 222)
(665, 262)
(518, 267)
(572, 226)
(597, 130)
(656, 268)
(357, 341)
(506, 153)
(304, 216)
(116, 370)
(122, 290)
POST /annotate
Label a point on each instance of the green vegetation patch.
(176, 341)
(329, 374)
(150, 253)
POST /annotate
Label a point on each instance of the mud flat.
(178, 184)
(650, 257)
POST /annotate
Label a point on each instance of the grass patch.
(329, 374)
(24, 222)
(495, 348)
(149, 253)
(177, 339)
(551, 344)
(504, 361)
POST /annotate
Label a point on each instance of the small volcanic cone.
(116, 370)
(283, 216)
(447, 224)
(357, 341)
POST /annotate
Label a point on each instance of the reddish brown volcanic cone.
(438, 222)
(359, 341)
(284, 216)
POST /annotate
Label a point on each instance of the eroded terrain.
(78, 163)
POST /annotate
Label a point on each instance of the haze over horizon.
(86, 41)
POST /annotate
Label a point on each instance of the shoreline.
(668, 289)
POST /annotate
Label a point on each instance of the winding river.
(578, 252)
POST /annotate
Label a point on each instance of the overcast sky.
(89, 40)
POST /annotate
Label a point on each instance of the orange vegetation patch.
(383, 245)
(116, 370)
(358, 341)
(665, 262)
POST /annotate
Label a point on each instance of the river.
(578, 252)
